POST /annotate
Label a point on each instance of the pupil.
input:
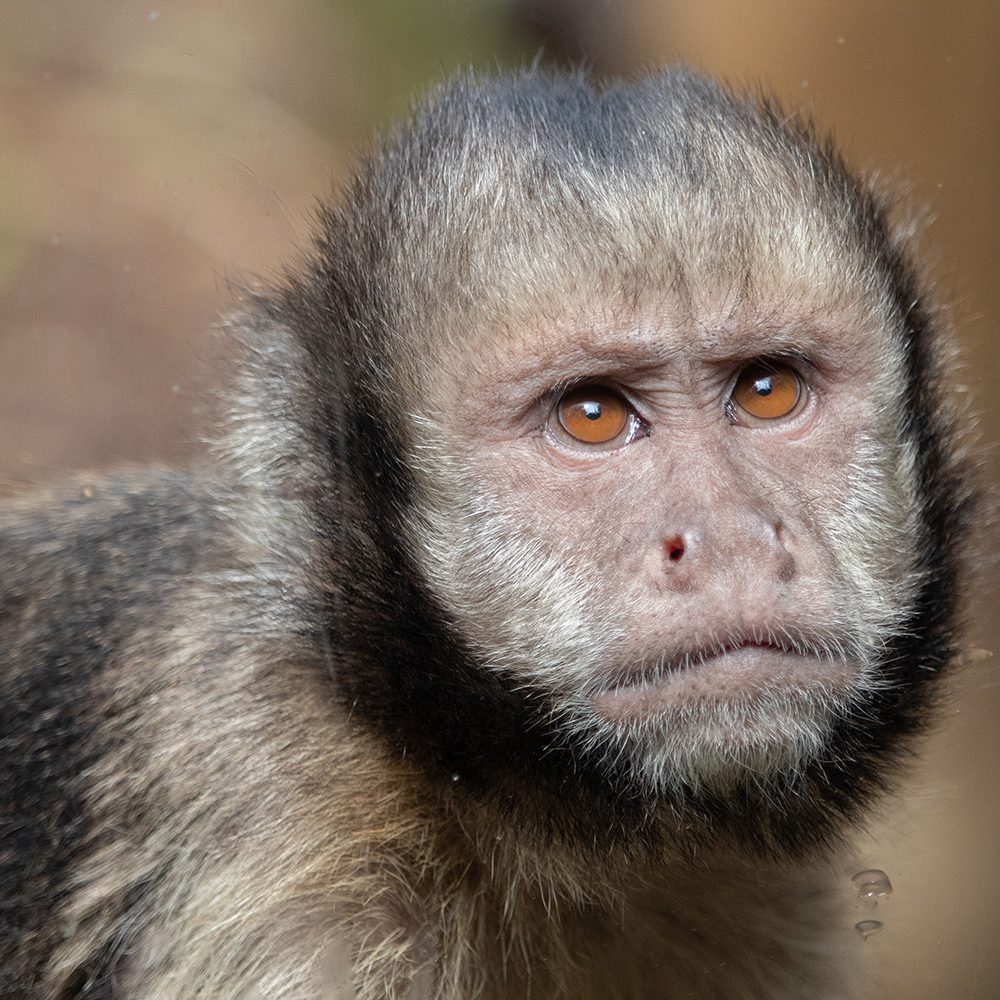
(763, 386)
(592, 411)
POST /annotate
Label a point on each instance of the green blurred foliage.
(407, 44)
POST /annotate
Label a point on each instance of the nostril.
(674, 548)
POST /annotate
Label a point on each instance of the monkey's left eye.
(766, 390)
(595, 415)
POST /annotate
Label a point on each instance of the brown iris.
(767, 390)
(593, 414)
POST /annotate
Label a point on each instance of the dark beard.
(409, 675)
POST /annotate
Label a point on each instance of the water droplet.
(872, 883)
(975, 655)
(868, 928)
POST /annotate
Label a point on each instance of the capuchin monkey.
(575, 564)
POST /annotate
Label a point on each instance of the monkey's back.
(79, 572)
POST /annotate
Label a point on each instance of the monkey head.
(642, 401)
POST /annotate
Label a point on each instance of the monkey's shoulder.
(82, 567)
(74, 556)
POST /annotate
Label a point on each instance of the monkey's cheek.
(740, 676)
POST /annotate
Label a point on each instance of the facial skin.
(700, 613)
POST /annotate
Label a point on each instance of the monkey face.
(672, 497)
(679, 532)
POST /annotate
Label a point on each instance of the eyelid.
(552, 396)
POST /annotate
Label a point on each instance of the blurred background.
(150, 152)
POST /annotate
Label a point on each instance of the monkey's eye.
(595, 415)
(766, 390)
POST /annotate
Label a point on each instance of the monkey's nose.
(750, 545)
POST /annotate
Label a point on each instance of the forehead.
(541, 213)
(515, 365)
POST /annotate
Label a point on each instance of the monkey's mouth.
(740, 670)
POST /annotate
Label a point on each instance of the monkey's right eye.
(767, 391)
(595, 415)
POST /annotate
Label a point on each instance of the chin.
(757, 718)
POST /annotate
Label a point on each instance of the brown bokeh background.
(151, 152)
